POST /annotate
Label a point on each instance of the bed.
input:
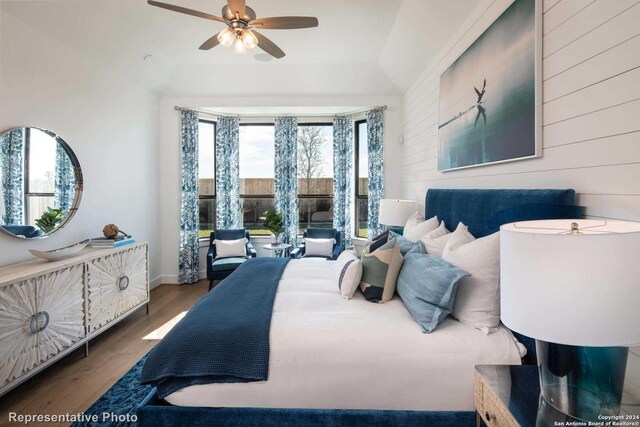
(334, 361)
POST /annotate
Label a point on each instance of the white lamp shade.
(581, 290)
(394, 212)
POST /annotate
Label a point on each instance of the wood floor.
(75, 382)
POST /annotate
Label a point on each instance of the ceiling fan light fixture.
(240, 19)
(239, 45)
(249, 40)
(227, 37)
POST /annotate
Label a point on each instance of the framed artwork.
(490, 98)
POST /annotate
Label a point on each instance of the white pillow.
(414, 220)
(344, 257)
(231, 248)
(478, 298)
(348, 273)
(415, 228)
(435, 241)
(319, 247)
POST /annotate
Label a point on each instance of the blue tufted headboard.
(484, 211)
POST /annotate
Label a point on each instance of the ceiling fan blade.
(181, 9)
(237, 6)
(210, 43)
(285, 22)
(268, 46)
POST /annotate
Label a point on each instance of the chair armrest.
(336, 252)
(251, 251)
(210, 257)
(297, 252)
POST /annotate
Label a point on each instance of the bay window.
(315, 175)
(257, 162)
(207, 177)
(361, 168)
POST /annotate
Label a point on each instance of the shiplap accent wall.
(591, 115)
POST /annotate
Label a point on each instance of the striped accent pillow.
(348, 273)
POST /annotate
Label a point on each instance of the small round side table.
(278, 251)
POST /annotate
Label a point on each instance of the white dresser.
(48, 309)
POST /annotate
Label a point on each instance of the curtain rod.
(216, 113)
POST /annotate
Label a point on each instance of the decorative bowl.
(61, 253)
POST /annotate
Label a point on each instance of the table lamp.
(395, 213)
(574, 286)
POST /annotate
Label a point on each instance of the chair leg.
(210, 284)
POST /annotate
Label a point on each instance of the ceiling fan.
(241, 23)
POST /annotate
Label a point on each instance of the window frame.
(215, 171)
(241, 197)
(304, 196)
(314, 196)
(356, 169)
(27, 166)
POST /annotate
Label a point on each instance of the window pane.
(257, 160)
(315, 159)
(252, 212)
(42, 162)
(206, 158)
(363, 160)
(37, 205)
(207, 217)
(362, 210)
(315, 213)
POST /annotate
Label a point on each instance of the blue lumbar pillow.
(428, 285)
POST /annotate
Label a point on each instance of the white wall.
(169, 179)
(110, 124)
(419, 31)
(591, 110)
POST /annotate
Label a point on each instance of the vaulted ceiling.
(361, 46)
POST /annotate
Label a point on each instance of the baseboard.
(171, 279)
(155, 282)
(167, 280)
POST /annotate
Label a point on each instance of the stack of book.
(114, 242)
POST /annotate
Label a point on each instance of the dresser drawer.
(60, 297)
(489, 407)
(116, 283)
(18, 342)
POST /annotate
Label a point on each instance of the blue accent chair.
(218, 269)
(319, 233)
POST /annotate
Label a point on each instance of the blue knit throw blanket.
(224, 337)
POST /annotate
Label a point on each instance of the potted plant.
(50, 219)
(273, 223)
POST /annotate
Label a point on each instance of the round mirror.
(40, 182)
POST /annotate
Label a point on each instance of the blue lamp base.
(585, 383)
(397, 230)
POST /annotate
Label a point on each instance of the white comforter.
(332, 353)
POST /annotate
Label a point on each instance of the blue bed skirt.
(155, 412)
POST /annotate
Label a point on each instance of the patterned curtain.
(65, 181)
(375, 145)
(227, 173)
(343, 177)
(12, 174)
(189, 258)
(286, 175)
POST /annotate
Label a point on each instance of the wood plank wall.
(591, 115)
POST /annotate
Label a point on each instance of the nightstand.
(509, 396)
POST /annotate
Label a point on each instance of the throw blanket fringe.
(224, 337)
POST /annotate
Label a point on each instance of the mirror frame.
(77, 170)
